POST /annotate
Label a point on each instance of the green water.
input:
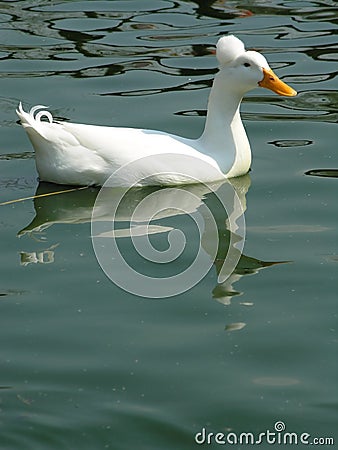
(87, 365)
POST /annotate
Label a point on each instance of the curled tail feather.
(39, 131)
(32, 119)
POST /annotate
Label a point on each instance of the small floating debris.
(329, 173)
(10, 292)
(291, 143)
(24, 400)
(235, 326)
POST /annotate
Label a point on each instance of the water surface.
(87, 365)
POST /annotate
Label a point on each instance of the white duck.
(69, 153)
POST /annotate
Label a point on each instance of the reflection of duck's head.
(224, 292)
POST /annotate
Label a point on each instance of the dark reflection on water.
(330, 173)
(291, 143)
(77, 38)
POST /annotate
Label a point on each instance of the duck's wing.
(110, 143)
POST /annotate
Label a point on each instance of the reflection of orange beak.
(271, 81)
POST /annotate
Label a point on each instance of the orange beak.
(271, 81)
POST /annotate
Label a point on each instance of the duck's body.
(69, 153)
(88, 155)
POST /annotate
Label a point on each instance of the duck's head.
(246, 70)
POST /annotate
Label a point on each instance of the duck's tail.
(32, 121)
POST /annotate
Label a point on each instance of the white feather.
(228, 48)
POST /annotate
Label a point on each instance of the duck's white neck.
(224, 137)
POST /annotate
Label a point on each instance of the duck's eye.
(247, 64)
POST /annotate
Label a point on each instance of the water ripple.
(173, 39)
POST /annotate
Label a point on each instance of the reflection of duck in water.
(77, 154)
(77, 206)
